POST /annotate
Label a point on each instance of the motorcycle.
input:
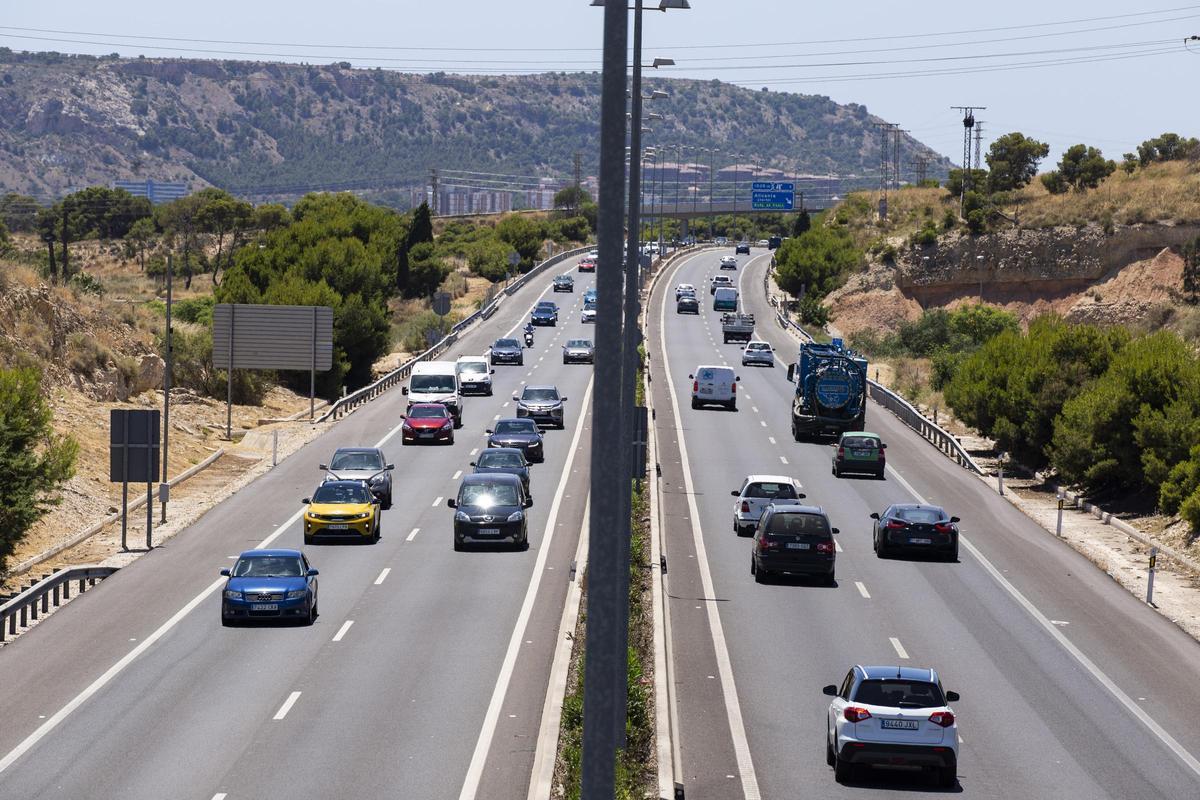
(529, 338)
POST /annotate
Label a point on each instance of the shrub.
(198, 310)
(812, 312)
(84, 283)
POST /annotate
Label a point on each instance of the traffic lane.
(1129, 640)
(45, 670)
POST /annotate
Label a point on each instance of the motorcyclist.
(529, 334)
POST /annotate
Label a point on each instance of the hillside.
(264, 129)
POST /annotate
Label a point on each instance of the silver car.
(542, 404)
(365, 464)
(758, 353)
(579, 351)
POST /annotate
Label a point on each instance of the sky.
(1131, 76)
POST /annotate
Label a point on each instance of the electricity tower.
(968, 113)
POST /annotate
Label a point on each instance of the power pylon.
(968, 113)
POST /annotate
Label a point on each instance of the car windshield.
(860, 442)
(432, 383)
(268, 567)
(540, 395)
(427, 412)
(758, 346)
(516, 426)
(546, 306)
(487, 495)
(899, 693)
(782, 491)
(798, 524)
(501, 460)
(342, 493)
(369, 459)
(925, 515)
(472, 367)
(579, 343)
(589, 305)
(506, 344)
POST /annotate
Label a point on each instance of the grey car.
(362, 464)
(507, 460)
(579, 351)
(758, 353)
(507, 351)
(542, 404)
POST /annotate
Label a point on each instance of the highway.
(423, 677)
(1070, 686)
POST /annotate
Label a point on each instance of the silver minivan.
(713, 385)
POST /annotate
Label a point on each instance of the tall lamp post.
(712, 171)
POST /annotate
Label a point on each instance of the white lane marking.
(761, 422)
(488, 731)
(506, 402)
(1151, 724)
(412, 534)
(287, 705)
(838, 546)
(106, 677)
(474, 450)
(754, 409)
(863, 591)
(219, 796)
(457, 475)
(337, 637)
(783, 460)
(900, 651)
(496, 418)
(383, 575)
(437, 502)
(733, 708)
(771, 439)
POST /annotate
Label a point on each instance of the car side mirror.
(452, 503)
(225, 572)
(516, 399)
(492, 371)
(735, 493)
(403, 390)
(801, 495)
(564, 399)
(874, 515)
(952, 697)
(473, 464)
(487, 430)
(313, 572)
(883, 447)
(737, 378)
(830, 690)
(691, 377)
(306, 500)
(955, 519)
(835, 530)
(527, 502)
(323, 467)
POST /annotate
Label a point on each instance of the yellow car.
(342, 508)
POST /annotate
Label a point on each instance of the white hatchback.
(713, 385)
(891, 716)
(758, 492)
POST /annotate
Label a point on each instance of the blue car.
(269, 584)
(544, 313)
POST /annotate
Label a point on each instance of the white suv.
(758, 492)
(891, 716)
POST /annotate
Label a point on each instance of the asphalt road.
(1070, 686)
(424, 666)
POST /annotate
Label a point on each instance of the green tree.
(34, 462)
(523, 235)
(19, 212)
(1054, 182)
(801, 222)
(954, 182)
(427, 271)
(815, 261)
(223, 215)
(1013, 160)
(180, 221)
(489, 259)
(571, 198)
(1168, 147)
(142, 236)
(1083, 167)
(1129, 163)
(570, 229)
(1191, 269)
(271, 217)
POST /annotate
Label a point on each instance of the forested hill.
(257, 128)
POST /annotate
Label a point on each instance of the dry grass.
(908, 211)
(1168, 192)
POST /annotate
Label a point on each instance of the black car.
(522, 434)
(795, 539)
(490, 509)
(507, 351)
(742, 247)
(544, 313)
(688, 304)
(917, 528)
(564, 283)
(504, 460)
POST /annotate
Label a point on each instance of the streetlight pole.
(167, 366)
(678, 169)
(712, 171)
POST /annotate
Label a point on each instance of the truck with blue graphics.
(831, 391)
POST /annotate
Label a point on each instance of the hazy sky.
(1133, 78)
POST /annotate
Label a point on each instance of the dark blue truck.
(831, 391)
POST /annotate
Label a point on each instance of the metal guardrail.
(368, 393)
(55, 590)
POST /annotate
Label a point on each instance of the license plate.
(337, 527)
(798, 545)
(489, 531)
(921, 541)
(424, 435)
(705, 390)
(858, 452)
(264, 607)
(899, 724)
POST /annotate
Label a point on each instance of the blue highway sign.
(772, 200)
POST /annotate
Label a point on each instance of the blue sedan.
(270, 584)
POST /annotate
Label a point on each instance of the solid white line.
(412, 534)
(437, 502)
(783, 459)
(486, 733)
(474, 450)
(900, 651)
(287, 705)
(733, 709)
(457, 475)
(383, 575)
(863, 590)
(337, 637)
(390, 434)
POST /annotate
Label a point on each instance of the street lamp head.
(658, 94)
(662, 62)
(654, 115)
(663, 5)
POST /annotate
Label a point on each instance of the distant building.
(155, 192)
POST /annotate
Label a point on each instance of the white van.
(725, 299)
(712, 385)
(436, 382)
(474, 374)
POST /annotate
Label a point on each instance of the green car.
(860, 452)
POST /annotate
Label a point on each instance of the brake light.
(841, 452)
(765, 544)
(695, 387)
(745, 507)
(895, 525)
(856, 714)
(944, 527)
(733, 388)
(824, 547)
(943, 719)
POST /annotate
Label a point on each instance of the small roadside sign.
(441, 303)
(514, 258)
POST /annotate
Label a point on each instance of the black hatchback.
(490, 509)
(506, 461)
(523, 434)
(795, 539)
(507, 351)
(915, 528)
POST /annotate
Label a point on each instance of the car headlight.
(516, 516)
(364, 515)
(230, 594)
(378, 479)
(462, 516)
(296, 594)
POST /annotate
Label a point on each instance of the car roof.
(540, 386)
(491, 477)
(792, 507)
(861, 433)
(901, 673)
(579, 343)
(506, 339)
(345, 482)
(513, 419)
(371, 450)
(713, 366)
(508, 450)
(270, 552)
(908, 506)
(772, 479)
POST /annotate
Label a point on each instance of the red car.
(427, 423)
(587, 265)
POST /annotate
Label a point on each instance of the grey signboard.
(441, 303)
(273, 337)
(133, 445)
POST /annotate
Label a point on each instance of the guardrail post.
(24, 615)
(56, 588)
(45, 604)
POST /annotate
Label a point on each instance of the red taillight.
(745, 507)
(942, 718)
(895, 525)
(765, 544)
(841, 452)
(944, 527)
(856, 714)
(695, 387)
(733, 388)
(824, 547)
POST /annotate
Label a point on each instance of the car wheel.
(377, 535)
(830, 759)
(837, 473)
(831, 579)
(489, 391)
(947, 777)
(312, 615)
(842, 770)
(733, 406)
(953, 557)
(695, 403)
(521, 362)
(881, 549)
(309, 539)
(458, 546)
(387, 503)
(753, 566)
(760, 574)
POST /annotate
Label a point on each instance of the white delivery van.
(436, 382)
(725, 299)
(474, 374)
(712, 385)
